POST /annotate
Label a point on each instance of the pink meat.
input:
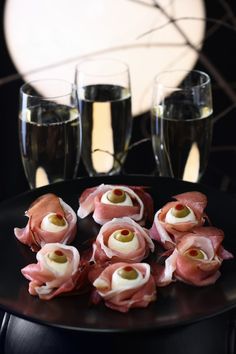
(168, 234)
(90, 202)
(33, 236)
(147, 201)
(103, 253)
(215, 235)
(124, 299)
(45, 281)
(194, 271)
(197, 201)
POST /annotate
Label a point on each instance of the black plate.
(176, 304)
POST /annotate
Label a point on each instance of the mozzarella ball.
(53, 222)
(196, 253)
(118, 282)
(55, 265)
(171, 219)
(123, 246)
(127, 201)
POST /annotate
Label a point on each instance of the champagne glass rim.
(33, 83)
(200, 73)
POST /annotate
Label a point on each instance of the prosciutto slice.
(125, 298)
(196, 259)
(170, 233)
(102, 252)
(51, 278)
(90, 202)
(34, 236)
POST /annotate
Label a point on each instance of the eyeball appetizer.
(123, 286)
(107, 202)
(116, 196)
(54, 222)
(125, 278)
(176, 218)
(122, 239)
(50, 220)
(56, 272)
(196, 259)
(112, 266)
(180, 213)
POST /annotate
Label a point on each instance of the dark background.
(219, 47)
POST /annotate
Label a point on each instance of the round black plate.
(176, 304)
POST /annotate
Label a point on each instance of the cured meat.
(168, 228)
(56, 272)
(196, 258)
(122, 239)
(48, 207)
(123, 286)
(137, 204)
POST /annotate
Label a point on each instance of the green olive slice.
(124, 235)
(180, 211)
(57, 220)
(128, 273)
(57, 256)
(116, 195)
(195, 253)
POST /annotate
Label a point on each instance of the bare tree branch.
(224, 113)
(228, 11)
(18, 76)
(174, 20)
(202, 57)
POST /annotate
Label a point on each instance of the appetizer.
(56, 272)
(196, 259)
(108, 201)
(123, 286)
(50, 220)
(122, 239)
(176, 218)
(118, 267)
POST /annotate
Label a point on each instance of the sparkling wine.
(107, 123)
(181, 137)
(50, 150)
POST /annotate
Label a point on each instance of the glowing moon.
(40, 34)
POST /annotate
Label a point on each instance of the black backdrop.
(220, 49)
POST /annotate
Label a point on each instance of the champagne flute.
(49, 131)
(181, 123)
(104, 96)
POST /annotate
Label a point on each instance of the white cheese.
(171, 219)
(47, 225)
(123, 247)
(60, 268)
(119, 283)
(126, 202)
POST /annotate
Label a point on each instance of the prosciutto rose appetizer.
(122, 239)
(123, 286)
(107, 202)
(176, 218)
(50, 220)
(196, 259)
(56, 272)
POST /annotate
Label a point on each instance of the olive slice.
(57, 220)
(57, 256)
(195, 253)
(180, 211)
(116, 195)
(128, 273)
(124, 235)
